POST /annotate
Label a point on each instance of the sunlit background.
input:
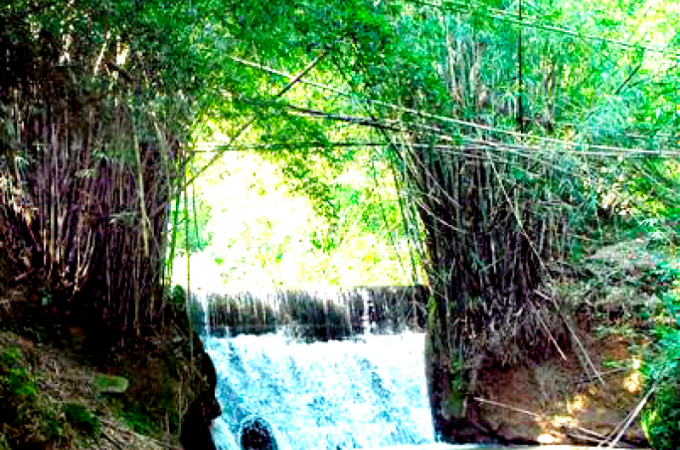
(254, 233)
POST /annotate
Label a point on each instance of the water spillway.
(363, 393)
(280, 391)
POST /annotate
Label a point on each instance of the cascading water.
(326, 395)
(366, 392)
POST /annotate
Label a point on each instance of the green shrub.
(52, 425)
(661, 417)
(661, 420)
(178, 296)
(18, 390)
(82, 420)
(135, 416)
(27, 418)
(140, 422)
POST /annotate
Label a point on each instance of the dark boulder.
(204, 409)
(257, 434)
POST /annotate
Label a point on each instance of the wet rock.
(196, 427)
(202, 411)
(257, 434)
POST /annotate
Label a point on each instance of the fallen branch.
(568, 431)
(589, 362)
(589, 378)
(547, 330)
(512, 408)
(579, 434)
(629, 420)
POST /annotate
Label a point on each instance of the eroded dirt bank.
(582, 382)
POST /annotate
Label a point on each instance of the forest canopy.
(512, 131)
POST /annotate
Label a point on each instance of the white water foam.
(364, 393)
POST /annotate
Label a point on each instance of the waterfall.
(203, 301)
(362, 393)
(368, 391)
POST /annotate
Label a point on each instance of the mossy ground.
(48, 401)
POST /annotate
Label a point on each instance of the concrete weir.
(314, 315)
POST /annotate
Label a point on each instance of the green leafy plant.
(4, 445)
(139, 421)
(52, 424)
(661, 419)
(136, 415)
(18, 390)
(82, 420)
(28, 417)
(198, 238)
(178, 296)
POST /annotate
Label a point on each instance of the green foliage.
(18, 389)
(82, 420)
(25, 414)
(661, 418)
(264, 230)
(199, 237)
(138, 420)
(52, 424)
(185, 66)
(178, 296)
(662, 423)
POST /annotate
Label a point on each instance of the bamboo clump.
(85, 179)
